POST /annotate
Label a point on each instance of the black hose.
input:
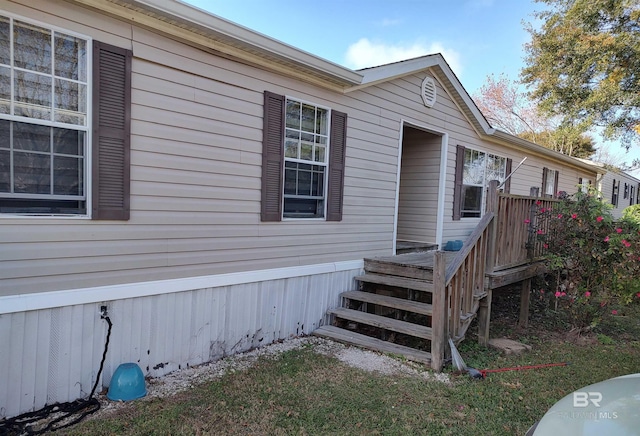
(22, 424)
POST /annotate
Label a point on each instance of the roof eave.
(443, 73)
(540, 150)
(229, 38)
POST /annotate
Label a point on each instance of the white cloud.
(365, 53)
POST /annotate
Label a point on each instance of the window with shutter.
(474, 170)
(303, 160)
(615, 194)
(45, 128)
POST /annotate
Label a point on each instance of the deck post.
(484, 309)
(439, 318)
(525, 295)
(484, 316)
(533, 192)
(492, 206)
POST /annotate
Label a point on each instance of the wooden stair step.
(371, 319)
(360, 340)
(393, 302)
(398, 282)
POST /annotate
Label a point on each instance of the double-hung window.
(479, 169)
(550, 180)
(44, 127)
(305, 160)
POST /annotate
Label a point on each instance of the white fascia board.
(384, 73)
(72, 297)
(252, 40)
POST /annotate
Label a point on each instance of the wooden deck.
(412, 303)
(404, 247)
(412, 265)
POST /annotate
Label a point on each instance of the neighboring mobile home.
(620, 189)
(213, 188)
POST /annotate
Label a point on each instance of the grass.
(304, 393)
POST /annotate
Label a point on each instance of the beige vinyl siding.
(196, 151)
(419, 186)
(606, 188)
(195, 177)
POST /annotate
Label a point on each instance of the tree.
(509, 109)
(583, 64)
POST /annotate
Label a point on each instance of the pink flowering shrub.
(591, 258)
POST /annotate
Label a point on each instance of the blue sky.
(476, 37)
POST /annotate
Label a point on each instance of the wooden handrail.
(503, 236)
(468, 245)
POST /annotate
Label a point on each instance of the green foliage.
(605, 340)
(632, 213)
(569, 140)
(582, 64)
(591, 258)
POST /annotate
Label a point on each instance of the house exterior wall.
(196, 159)
(196, 171)
(605, 186)
(195, 178)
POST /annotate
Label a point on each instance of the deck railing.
(504, 238)
(517, 223)
(459, 286)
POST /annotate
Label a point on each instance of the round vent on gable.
(428, 92)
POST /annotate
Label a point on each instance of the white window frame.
(304, 161)
(485, 182)
(550, 181)
(87, 128)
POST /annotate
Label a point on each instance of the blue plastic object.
(127, 383)
(453, 245)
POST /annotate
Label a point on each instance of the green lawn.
(303, 392)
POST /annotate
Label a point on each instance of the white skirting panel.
(53, 355)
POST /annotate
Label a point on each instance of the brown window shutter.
(272, 156)
(457, 187)
(337, 150)
(556, 184)
(111, 140)
(507, 170)
(543, 189)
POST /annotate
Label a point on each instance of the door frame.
(442, 180)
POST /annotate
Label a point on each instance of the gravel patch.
(187, 378)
